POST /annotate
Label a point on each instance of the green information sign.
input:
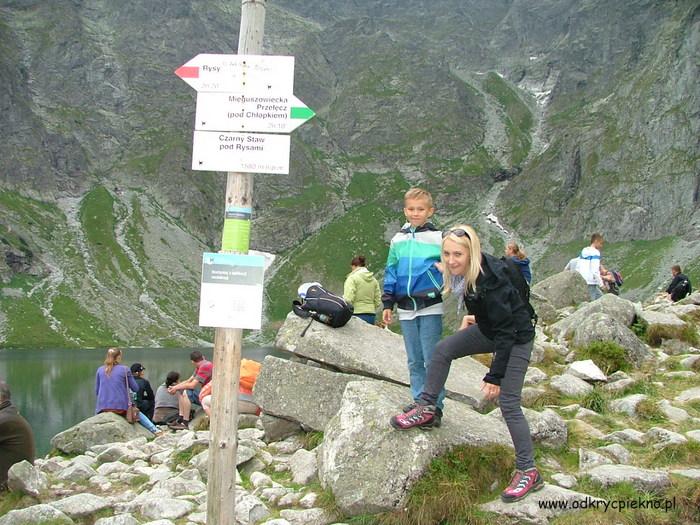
(236, 237)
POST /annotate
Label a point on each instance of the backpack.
(618, 277)
(325, 307)
(520, 284)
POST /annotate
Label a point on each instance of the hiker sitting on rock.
(188, 390)
(16, 437)
(144, 396)
(680, 285)
(498, 322)
(167, 405)
(112, 384)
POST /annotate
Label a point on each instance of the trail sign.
(261, 74)
(241, 112)
(240, 152)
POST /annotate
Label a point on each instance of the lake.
(55, 388)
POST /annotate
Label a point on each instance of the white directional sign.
(260, 74)
(241, 152)
(241, 112)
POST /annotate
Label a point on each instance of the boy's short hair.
(676, 268)
(196, 356)
(418, 193)
(596, 237)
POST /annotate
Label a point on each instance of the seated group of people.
(175, 401)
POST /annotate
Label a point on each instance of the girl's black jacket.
(500, 314)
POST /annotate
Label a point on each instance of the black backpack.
(325, 307)
(520, 284)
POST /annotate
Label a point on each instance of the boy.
(145, 396)
(188, 390)
(413, 283)
(589, 266)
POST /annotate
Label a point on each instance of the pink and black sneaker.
(421, 416)
(523, 482)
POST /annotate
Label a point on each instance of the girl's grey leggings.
(471, 341)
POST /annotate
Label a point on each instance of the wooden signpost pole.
(223, 445)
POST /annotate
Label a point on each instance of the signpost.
(261, 74)
(244, 92)
(240, 112)
(243, 152)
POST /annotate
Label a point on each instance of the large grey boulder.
(546, 427)
(546, 313)
(361, 348)
(642, 479)
(363, 460)
(26, 478)
(536, 507)
(307, 394)
(80, 505)
(570, 385)
(615, 307)
(36, 515)
(662, 319)
(100, 429)
(602, 327)
(563, 289)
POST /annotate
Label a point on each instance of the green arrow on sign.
(299, 113)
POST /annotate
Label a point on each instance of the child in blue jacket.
(413, 282)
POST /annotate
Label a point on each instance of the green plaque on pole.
(236, 237)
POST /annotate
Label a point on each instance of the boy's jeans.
(420, 335)
(147, 423)
(594, 292)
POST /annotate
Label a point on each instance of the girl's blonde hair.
(472, 244)
(111, 359)
(517, 251)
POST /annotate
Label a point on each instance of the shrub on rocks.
(608, 355)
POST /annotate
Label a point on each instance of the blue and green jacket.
(411, 280)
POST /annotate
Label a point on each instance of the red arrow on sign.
(187, 72)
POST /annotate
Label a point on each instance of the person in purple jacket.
(112, 391)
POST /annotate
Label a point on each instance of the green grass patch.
(183, 457)
(10, 500)
(451, 488)
(681, 455)
(655, 334)
(27, 327)
(311, 440)
(607, 355)
(98, 220)
(596, 400)
(139, 480)
(81, 324)
(648, 410)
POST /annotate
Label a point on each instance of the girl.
(362, 290)
(112, 390)
(499, 323)
(520, 258)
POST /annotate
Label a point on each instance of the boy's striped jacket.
(411, 280)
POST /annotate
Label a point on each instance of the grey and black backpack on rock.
(323, 306)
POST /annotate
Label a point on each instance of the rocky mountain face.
(542, 121)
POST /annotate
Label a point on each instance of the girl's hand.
(386, 316)
(467, 321)
(440, 267)
(490, 391)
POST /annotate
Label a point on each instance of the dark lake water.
(55, 389)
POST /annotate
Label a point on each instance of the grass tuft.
(607, 355)
(596, 400)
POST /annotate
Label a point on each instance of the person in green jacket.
(362, 290)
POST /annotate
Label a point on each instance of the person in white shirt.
(588, 266)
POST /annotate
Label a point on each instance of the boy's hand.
(467, 321)
(387, 317)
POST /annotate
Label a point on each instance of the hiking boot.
(438, 412)
(522, 483)
(178, 425)
(422, 416)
